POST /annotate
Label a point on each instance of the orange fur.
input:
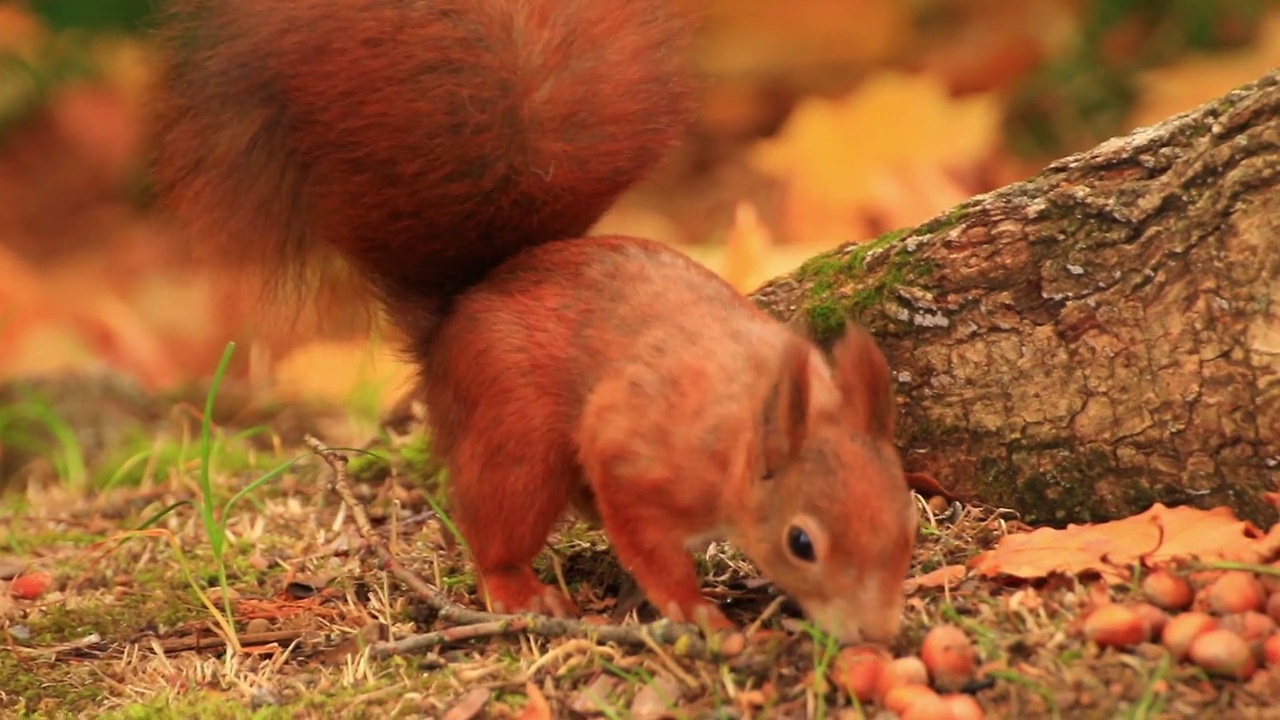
(455, 151)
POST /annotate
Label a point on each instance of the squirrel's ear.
(866, 385)
(786, 407)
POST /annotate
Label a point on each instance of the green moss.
(858, 258)
(923, 431)
(952, 218)
(826, 319)
(826, 309)
(199, 704)
(898, 271)
(141, 454)
(49, 686)
(337, 701)
(14, 539)
(823, 270)
(371, 466)
(417, 457)
(161, 599)
(1055, 486)
(412, 458)
(822, 267)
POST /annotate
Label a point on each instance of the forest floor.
(119, 631)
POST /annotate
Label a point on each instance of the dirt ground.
(120, 632)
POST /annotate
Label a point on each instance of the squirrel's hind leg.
(505, 502)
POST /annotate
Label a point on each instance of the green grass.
(33, 426)
(215, 519)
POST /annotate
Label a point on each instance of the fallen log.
(1097, 338)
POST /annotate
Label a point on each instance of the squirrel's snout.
(852, 619)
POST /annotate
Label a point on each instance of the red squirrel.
(456, 153)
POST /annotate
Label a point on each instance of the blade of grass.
(272, 475)
(69, 463)
(213, 528)
(146, 524)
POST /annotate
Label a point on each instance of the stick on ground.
(685, 640)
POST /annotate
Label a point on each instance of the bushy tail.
(424, 140)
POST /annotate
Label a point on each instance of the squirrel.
(456, 154)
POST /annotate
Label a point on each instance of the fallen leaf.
(749, 37)
(744, 256)
(943, 576)
(470, 705)
(1025, 599)
(303, 586)
(1099, 594)
(1159, 535)
(594, 699)
(882, 156)
(656, 699)
(926, 484)
(537, 707)
(746, 271)
(355, 643)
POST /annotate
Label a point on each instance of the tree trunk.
(1097, 338)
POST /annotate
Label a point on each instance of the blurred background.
(826, 121)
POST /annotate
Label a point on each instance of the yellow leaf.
(829, 149)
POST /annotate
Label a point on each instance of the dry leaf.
(746, 37)
(749, 240)
(880, 155)
(925, 483)
(470, 705)
(536, 708)
(594, 699)
(942, 577)
(1159, 535)
(303, 586)
(656, 700)
(1025, 599)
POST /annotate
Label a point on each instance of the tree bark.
(1099, 337)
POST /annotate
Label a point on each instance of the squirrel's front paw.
(523, 592)
(555, 603)
(706, 615)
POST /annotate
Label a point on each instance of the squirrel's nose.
(882, 630)
(851, 622)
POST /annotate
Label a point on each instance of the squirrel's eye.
(799, 544)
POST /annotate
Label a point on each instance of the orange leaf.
(943, 576)
(926, 484)
(884, 150)
(1159, 535)
(537, 707)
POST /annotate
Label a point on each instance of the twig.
(684, 640)
(211, 641)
